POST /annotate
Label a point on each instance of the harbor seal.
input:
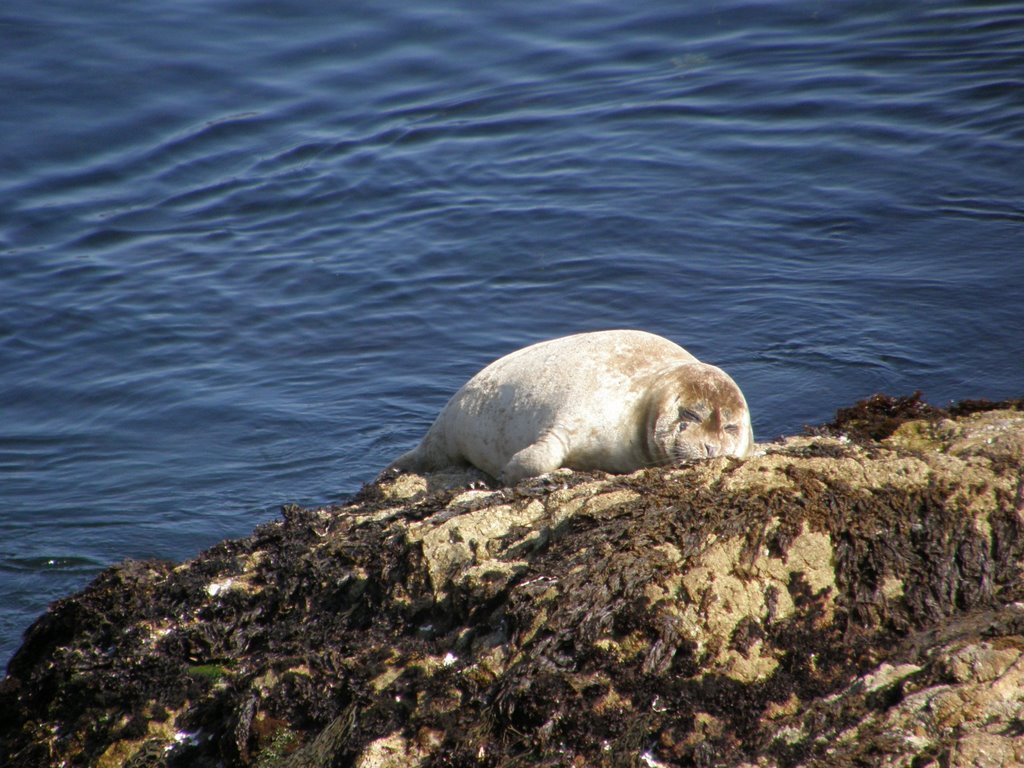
(615, 401)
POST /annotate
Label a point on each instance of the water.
(247, 249)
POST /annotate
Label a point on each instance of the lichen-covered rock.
(852, 597)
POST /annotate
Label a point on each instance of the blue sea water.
(248, 249)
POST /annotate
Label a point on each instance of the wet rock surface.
(851, 597)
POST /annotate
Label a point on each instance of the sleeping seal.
(615, 401)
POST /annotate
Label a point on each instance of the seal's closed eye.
(689, 415)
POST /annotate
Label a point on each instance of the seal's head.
(696, 411)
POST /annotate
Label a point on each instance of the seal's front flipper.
(545, 455)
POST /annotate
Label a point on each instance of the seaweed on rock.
(824, 603)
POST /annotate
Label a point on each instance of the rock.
(849, 597)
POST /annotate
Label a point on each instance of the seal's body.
(611, 400)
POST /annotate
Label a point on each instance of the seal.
(615, 401)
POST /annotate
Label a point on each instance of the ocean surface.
(248, 249)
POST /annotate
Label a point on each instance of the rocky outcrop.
(850, 597)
